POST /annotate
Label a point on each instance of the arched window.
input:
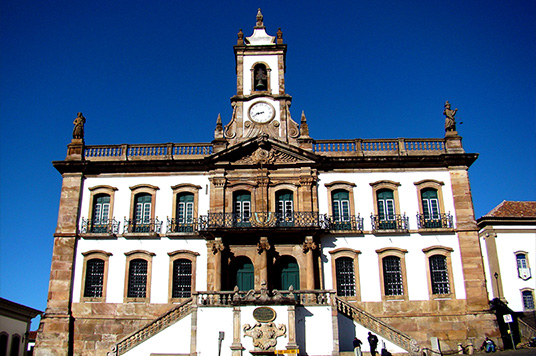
(289, 273)
(142, 212)
(137, 278)
(94, 282)
(3, 343)
(182, 278)
(101, 213)
(15, 345)
(528, 299)
(386, 209)
(430, 208)
(341, 206)
(242, 208)
(439, 274)
(344, 270)
(185, 213)
(523, 270)
(242, 273)
(95, 276)
(285, 207)
(392, 276)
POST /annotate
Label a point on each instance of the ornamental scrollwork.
(265, 335)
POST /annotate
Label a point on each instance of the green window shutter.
(185, 208)
(430, 204)
(341, 205)
(386, 204)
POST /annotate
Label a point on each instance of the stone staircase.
(378, 327)
(153, 328)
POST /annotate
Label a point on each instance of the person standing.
(357, 346)
(373, 342)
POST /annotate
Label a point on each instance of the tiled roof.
(513, 209)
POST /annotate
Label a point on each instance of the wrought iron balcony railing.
(440, 221)
(263, 220)
(394, 222)
(145, 227)
(179, 225)
(109, 226)
(346, 223)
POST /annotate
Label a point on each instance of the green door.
(290, 274)
(244, 275)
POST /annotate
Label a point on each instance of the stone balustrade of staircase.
(377, 326)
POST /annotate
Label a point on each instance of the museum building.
(265, 239)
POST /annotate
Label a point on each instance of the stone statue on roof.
(450, 121)
(78, 131)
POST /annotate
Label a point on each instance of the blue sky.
(161, 71)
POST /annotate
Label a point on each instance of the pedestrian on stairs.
(357, 346)
(373, 342)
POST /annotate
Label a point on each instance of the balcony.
(181, 226)
(345, 224)
(393, 223)
(148, 227)
(263, 220)
(106, 227)
(440, 221)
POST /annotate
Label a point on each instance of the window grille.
(94, 278)
(439, 275)
(344, 267)
(528, 300)
(182, 278)
(137, 279)
(392, 276)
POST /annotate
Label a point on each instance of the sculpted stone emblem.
(265, 335)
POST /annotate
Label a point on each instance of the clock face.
(261, 112)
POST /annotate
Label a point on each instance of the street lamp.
(496, 275)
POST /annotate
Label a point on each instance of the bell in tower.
(261, 78)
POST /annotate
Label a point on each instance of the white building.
(15, 322)
(508, 241)
(265, 239)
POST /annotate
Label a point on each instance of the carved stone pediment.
(264, 151)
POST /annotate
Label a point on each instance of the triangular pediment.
(263, 150)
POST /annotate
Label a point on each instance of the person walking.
(373, 342)
(357, 346)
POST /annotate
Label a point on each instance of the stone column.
(473, 270)
(55, 337)
(262, 247)
(215, 249)
(308, 246)
(236, 346)
(292, 345)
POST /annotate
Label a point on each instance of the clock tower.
(261, 106)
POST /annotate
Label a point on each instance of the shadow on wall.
(346, 333)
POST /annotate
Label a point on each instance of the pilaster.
(473, 270)
(292, 345)
(55, 336)
(236, 346)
